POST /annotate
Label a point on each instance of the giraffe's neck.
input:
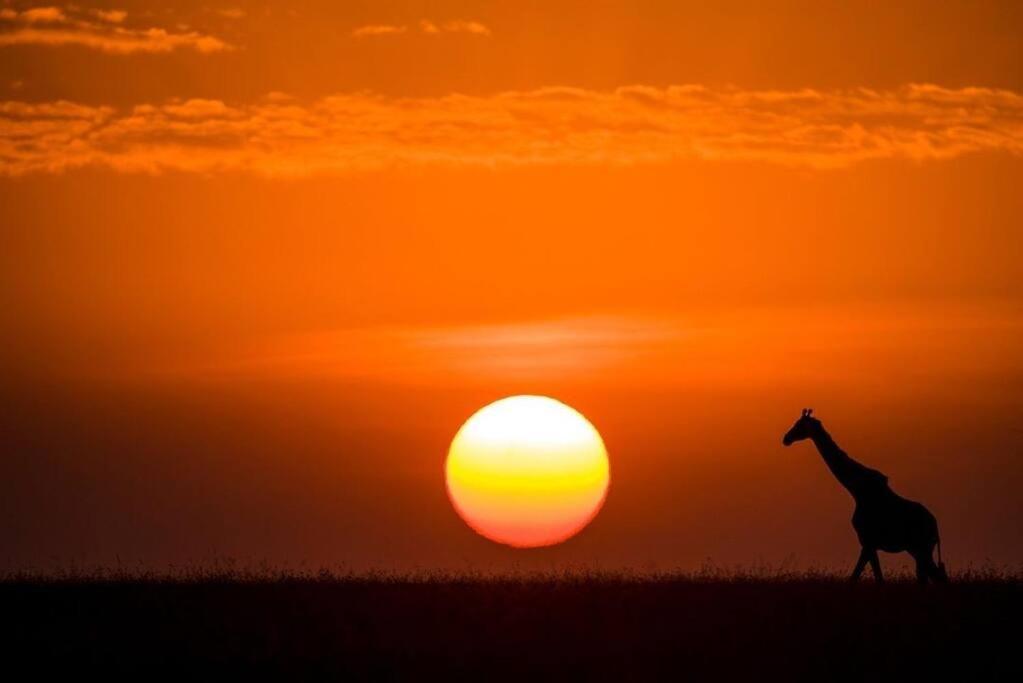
(845, 469)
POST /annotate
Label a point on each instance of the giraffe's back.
(894, 524)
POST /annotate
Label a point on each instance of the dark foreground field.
(555, 628)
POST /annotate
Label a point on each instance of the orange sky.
(259, 262)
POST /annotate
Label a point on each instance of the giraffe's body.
(883, 519)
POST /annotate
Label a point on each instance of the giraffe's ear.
(809, 412)
(805, 412)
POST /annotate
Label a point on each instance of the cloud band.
(101, 30)
(631, 125)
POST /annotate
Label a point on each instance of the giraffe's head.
(805, 427)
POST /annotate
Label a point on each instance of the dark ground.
(550, 628)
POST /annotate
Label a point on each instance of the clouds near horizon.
(631, 125)
(425, 26)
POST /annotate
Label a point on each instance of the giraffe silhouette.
(883, 519)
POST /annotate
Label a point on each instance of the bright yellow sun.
(527, 471)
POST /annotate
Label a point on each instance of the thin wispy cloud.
(650, 349)
(231, 12)
(113, 16)
(457, 26)
(97, 29)
(378, 30)
(38, 15)
(565, 347)
(425, 26)
(568, 126)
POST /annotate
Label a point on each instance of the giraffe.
(883, 520)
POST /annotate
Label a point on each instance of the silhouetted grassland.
(707, 625)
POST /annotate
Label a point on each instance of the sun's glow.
(527, 471)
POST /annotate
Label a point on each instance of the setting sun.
(527, 471)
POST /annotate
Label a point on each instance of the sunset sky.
(260, 261)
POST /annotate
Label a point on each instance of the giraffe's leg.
(860, 564)
(927, 570)
(939, 575)
(875, 566)
(923, 572)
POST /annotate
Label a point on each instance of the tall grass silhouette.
(713, 623)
